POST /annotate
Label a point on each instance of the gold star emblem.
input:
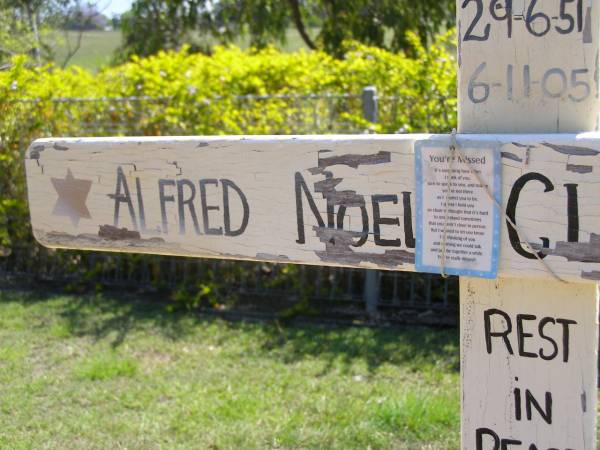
(72, 195)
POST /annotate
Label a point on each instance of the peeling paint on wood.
(577, 168)
(594, 275)
(340, 249)
(117, 234)
(512, 156)
(509, 329)
(59, 239)
(288, 198)
(35, 151)
(524, 69)
(355, 161)
(269, 257)
(585, 252)
(572, 150)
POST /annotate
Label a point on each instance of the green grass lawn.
(102, 372)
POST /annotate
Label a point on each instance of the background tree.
(15, 35)
(75, 19)
(154, 25)
(33, 26)
(84, 16)
(264, 21)
(25, 19)
(322, 24)
(382, 23)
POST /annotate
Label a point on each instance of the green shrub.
(193, 94)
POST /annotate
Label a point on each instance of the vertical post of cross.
(527, 66)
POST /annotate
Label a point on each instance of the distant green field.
(98, 47)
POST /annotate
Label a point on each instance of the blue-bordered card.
(458, 217)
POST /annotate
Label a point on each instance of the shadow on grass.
(107, 315)
(410, 347)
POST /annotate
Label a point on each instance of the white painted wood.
(528, 83)
(536, 84)
(72, 185)
(490, 379)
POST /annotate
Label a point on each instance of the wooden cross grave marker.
(528, 112)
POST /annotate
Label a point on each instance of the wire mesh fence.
(393, 296)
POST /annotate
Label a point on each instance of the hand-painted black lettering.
(510, 69)
(123, 196)
(558, 74)
(572, 213)
(142, 213)
(226, 185)
(378, 220)
(189, 202)
(409, 236)
(506, 443)
(522, 335)
(330, 206)
(545, 413)
(495, 6)
(532, 17)
(206, 208)
(474, 84)
(479, 442)
(564, 16)
(341, 215)
(469, 36)
(489, 334)
(541, 329)
(566, 336)
(576, 83)
(526, 81)
(162, 184)
(511, 211)
(300, 186)
(517, 396)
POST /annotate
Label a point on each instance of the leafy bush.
(179, 93)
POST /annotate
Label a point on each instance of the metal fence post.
(371, 292)
(370, 104)
(372, 279)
